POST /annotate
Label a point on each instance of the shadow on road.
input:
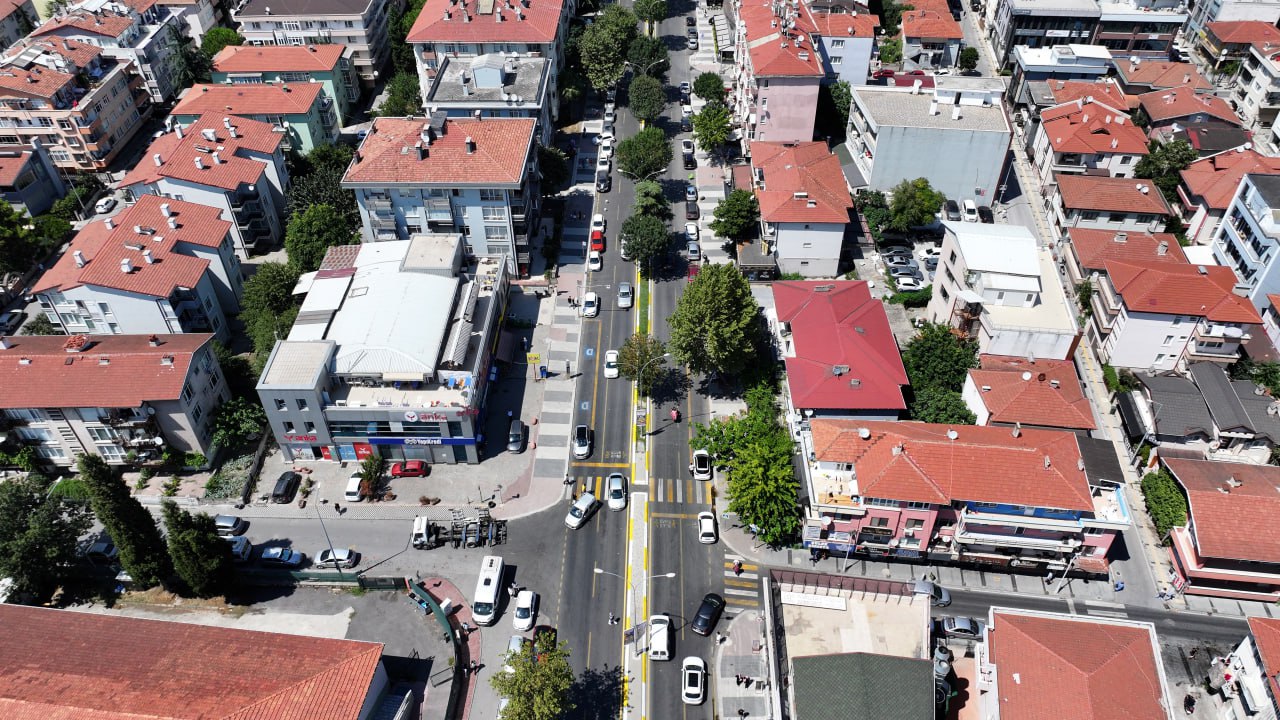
(597, 694)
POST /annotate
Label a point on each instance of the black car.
(690, 210)
(952, 210)
(690, 20)
(286, 485)
(604, 182)
(689, 162)
(708, 614)
(984, 215)
(686, 124)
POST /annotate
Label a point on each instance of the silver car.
(625, 295)
(580, 510)
(616, 487)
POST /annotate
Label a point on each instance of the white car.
(707, 528)
(580, 510)
(606, 147)
(597, 222)
(595, 263)
(603, 164)
(907, 284)
(616, 491)
(590, 305)
(526, 610)
(691, 232)
(607, 132)
(970, 211)
(610, 115)
(686, 110)
(693, 681)
(686, 146)
(625, 295)
(515, 648)
(611, 364)
(623, 252)
(105, 205)
(701, 466)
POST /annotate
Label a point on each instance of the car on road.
(337, 557)
(582, 442)
(686, 123)
(603, 164)
(704, 621)
(691, 211)
(410, 468)
(686, 146)
(610, 115)
(938, 595)
(693, 250)
(701, 465)
(580, 510)
(970, 211)
(985, 215)
(597, 240)
(604, 182)
(597, 222)
(900, 261)
(606, 146)
(105, 205)
(951, 210)
(690, 21)
(908, 284)
(616, 492)
(595, 263)
(693, 683)
(10, 322)
(515, 649)
(282, 557)
(707, 528)
(611, 364)
(228, 525)
(688, 161)
(686, 87)
(691, 232)
(690, 192)
(526, 610)
(961, 627)
(590, 305)
(625, 295)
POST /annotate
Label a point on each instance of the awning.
(1129, 417)
(507, 346)
(1093, 565)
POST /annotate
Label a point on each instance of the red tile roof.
(38, 82)
(1094, 247)
(277, 58)
(8, 7)
(13, 159)
(104, 23)
(1161, 74)
(1229, 504)
(929, 24)
(113, 371)
(1240, 32)
(104, 249)
(841, 25)
(388, 153)
(918, 462)
(254, 99)
(1061, 666)
(1215, 179)
(236, 166)
(78, 53)
(1022, 391)
(1065, 91)
(840, 326)
(808, 168)
(1266, 637)
(468, 22)
(1181, 290)
(1106, 194)
(1081, 126)
(776, 55)
(1174, 103)
(63, 664)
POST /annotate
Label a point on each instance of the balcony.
(1061, 545)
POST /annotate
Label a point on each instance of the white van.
(659, 637)
(421, 532)
(353, 493)
(484, 607)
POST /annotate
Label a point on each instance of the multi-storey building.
(1181, 107)
(304, 115)
(360, 26)
(1248, 239)
(1139, 28)
(327, 65)
(1209, 184)
(846, 41)
(120, 397)
(1037, 24)
(777, 72)
(1256, 91)
(17, 18)
(1085, 252)
(161, 266)
(1105, 203)
(391, 353)
(236, 166)
(1202, 14)
(79, 103)
(804, 205)
(1138, 76)
(494, 86)
(1028, 392)
(1253, 666)
(29, 181)
(1087, 137)
(146, 34)
(197, 17)
(931, 37)
(1057, 62)
(437, 174)
(1222, 42)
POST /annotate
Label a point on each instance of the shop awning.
(507, 346)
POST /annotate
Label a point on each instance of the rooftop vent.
(126, 265)
(165, 209)
(839, 370)
(147, 257)
(1017, 429)
(153, 341)
(952, 434)
(209, 134)
(864, 433)
(79, 258)
(1121, 237)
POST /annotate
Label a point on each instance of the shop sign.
(421, 441)
(300, 438)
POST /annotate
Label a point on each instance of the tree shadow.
(597, 694)
(670, 387)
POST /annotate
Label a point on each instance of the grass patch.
(644, 308)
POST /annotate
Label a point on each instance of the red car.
(882, 74)
(597, 241)
(409, 468)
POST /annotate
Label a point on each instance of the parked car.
(693, 250)
(610, 115)
(544, 638)
(691, 231)
(691, 211)
(241, 548)
(595, 263)
(985, 215)
(690, 21)
(616, 491)
(285, 487)
(938, 595)
(515, 649)
(708, 614)
(103, 551)
(410, 468)
(904, 271)
(282, 557)
(701, 465)
(690, 193)
(580, 510)
(590, 305)
(882, 74)
(686, 146)
(900, 261)
(337, 558)
(582, 442)
(10, 322)
(607, 132)
(604, 182)
(931, 264)
(970, 211)
(896, 251)
(603, 164)
(707, 528)
(623, 251)
(908, 284)
(961, 627)
(688, 161)
(597, 222)
(597, 240)
(611, 364)
(686, 123)
(228, 525)
(693, 684)
(526, 611)
(606, 146)
(686, 87)
(693, 39)
(952, 210)
(105, 205)
(686, 110)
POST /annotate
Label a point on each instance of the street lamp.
(632, 590)
(332, 554)
(640, 373)
(645, 71)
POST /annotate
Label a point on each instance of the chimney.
(209, 134)
(471, 146)
(173, 223)
(147, 258)
(159, 161)
(226, 123)
(168, 359)
(955, 112)
(1017, 429)
(231, 130)
(153, 341)
(933, 107)
(165, 210)
(1115, 143)
(1186, 79)
(126, 266)
(177, 130)
(1121, 237)
(109, 223)
(217, 159)
(79, 258)
(423, 150)
(199, 164)
(1163, 248)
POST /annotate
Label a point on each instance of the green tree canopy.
(40, 325)
(39, 534)
(935, 358)
(554, 165)
(645, 154)
(939, 405)
(131, 527)
(646, 238)
(649, 56)
(267, 306)
(711, 126)
(604, 46)
(237, 421)
(915, 203)
(834, 100)
(535, 690)
(312, 232)
(647, 98)
(968, 59)
(891, 50)
(737, 215)
(18, 242)
(650, 11)
(1165, 502)
(1163, 164)
(201, 559)
(891, 18)
(640, 361)
(650, 200)
(404, 96)
(710, 87)
(317, 180)
(716, 327)
(217, 38)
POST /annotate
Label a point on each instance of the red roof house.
(1184, 106)
(1174, 289)
(1209, 184)
(1031, 393)
(468, 151)
(803, 183)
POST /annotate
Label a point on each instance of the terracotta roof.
(840, 326)
(1173, 103)
(1229, 504)
(1094, 247)
(79, 53)
(11, 165)
(254, 99)
(277, 58)
(1241, 32)
(1081, 126)
(38, 82)
(1181, 290)
(113, 371)
(807, 168)
(63, 664)
(8, 7)
(1069, 667)
(443, 21)
(388, 153)
(1215, 179)
(765, 43)
(105, 23)
(1094, 192)
(1014, 397)
(917, 462)
(1162, 74)
(1266, 637)
(840, 25)
(104, 249)
(1065, 91)
(179, 152)
(930, 24)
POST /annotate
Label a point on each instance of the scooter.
(1189, 704)
(675, 415)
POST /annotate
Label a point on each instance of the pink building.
(996, 496)
(779, 69)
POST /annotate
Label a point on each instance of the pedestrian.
(742, 713)
(610, 618)
(566, 368)
(737, 567)
(337, 508)
(737, 680)
(717, 638)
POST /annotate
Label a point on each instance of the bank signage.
(421, 441)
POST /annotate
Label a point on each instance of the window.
(37, 434)
(491, 195)
(50, 452)
(1125, 159)
(1168, 340)
(27, 415)
(348, 23)
(984, 505)
(837, 44)
(914, 523)
(879, 522)
(917, 506)
(1089, 215)
(836, 60)
(101, 434)
(1159, 358)
(494, 214)
(1117, 217)
(310, 426)
(288, 427)
(881, 502)
(302, 404)
(281, 405)
(495, 232)
(1144, 219)
(186, 392)
(952, 258)
(111, 453)
(197, 413)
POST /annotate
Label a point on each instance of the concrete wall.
(854, 57)
(790, 105)
(1137, 341)
(973, 399)
(813, 250)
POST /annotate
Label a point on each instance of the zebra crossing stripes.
(680, 490)
(741, 590)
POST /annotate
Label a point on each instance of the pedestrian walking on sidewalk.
(337, 508)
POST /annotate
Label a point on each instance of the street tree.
(18, 242)
(237, 421)
(554, 165)
(39, 534)
(40, 325)
(725, 435)
(535, 689)
(640, 361)
(312, 232)
(647, 239)
(650, 11)
(737, 215)
(604, 46)
(645, 154)
(763, 490)
(915, 203)
(968, 59)
(217, 38)
(651, 201)
(1163, 164)
(711, 126)
(404, 96)
(933, 404)
(710, 87)
(201, 559)
(715, 326)
(647, 98)
(936, 358)
(649, 56)
(142, 551)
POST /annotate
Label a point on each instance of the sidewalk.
(742, 654)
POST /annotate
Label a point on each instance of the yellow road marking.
(600, 464)
(677, 516)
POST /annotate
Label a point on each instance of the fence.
(259, 457)
(799, 581)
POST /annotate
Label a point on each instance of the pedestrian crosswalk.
(683, 491)
(741, 585)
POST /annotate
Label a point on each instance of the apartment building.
(494, 86)
(777, 71)
(1208, 186)
(1223, 42)
(1226, 10)
(1086, 136)
(147, 34)
(1027, 392)
(1137, 76)
(82, 105)
(1105, 203)
(1256, 90)
(392, 353)
(1072, 61)
(846, 41)
(17, 18)
(327, 65)
(1252, 666)
(804, 205)
(1038, 24)
(197, 17)
(301, 113)
(1204, 414)
(161, 266)
(1180, 107)
(29, 181)
(236, 166)
(437, 174)
(1085, 251)
(1248, 239)
(115, 396)
(359, 26)
(931, 37)
(1140, 28)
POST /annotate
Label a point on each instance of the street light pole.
(333, 555)
(631, 589)
(640, 373)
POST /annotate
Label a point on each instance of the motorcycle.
(675, 415)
